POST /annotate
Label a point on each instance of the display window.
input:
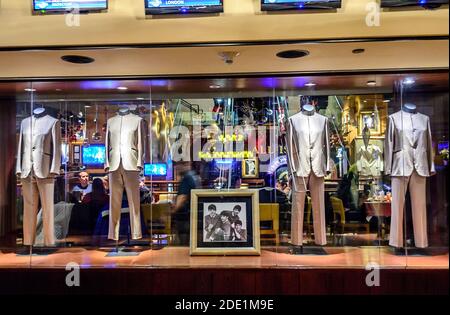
(318, 171)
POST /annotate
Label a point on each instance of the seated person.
(222, 231)
(98, 194)
(82, 188)
(239, 234)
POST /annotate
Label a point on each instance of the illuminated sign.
(226, 155)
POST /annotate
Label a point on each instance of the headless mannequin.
(301, 185)
(39, 112)
(409, 172)
(409, 108)
(124, 111)
(308, 110)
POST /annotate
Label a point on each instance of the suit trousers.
(33, 189)
(317, 187)
(417, 189)
(118, 181)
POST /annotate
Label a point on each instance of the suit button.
(34, 148)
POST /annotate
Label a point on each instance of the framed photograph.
(225, 222)
(372, 121)
(250, 168)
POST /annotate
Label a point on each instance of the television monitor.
(94, 155)
(155, 7)
(68, 5)
(279, 5)
(406, 3)
(155, 169)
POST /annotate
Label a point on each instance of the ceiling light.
(310, 84)
(29, 90)
(293, 54)
(122, 88)
(214, 86)
(386, 101)
(140, 98)
(372, 83)
(409, 81)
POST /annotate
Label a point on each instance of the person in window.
(181, 209)
(97, 195)
(211, 221)
(96, 201)
(83, 187)
(239, 234)
(223, 229)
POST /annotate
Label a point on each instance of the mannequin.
(38, 162)
(409, 108)
(309, 152)
(409, 160)
(125, 137)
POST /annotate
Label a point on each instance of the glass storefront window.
(252, 172)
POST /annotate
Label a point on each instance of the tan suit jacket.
(125, 138)
(408, 145)
(308, 144)
(39, 147)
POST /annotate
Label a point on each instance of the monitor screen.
(94, 155)
(154, 7)
(68, 5)
(277, 5)
(155, 169)
(404, 3)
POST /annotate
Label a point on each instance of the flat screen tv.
(155, 169)
(94, 155)
(406, 3)
(280, 5)
(155, 7)
(69, 5)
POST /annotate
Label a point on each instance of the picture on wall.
(372, 121)
(250, 168)
(225, 223)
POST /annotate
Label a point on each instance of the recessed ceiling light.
(87, 106)
(293, 54)
(77, 59)
(372, 83)
(386, 101)
(122, 88)
(29, 90)
(214, 86)
(140, 98)
(409, 81)
(358, 51)
(310, 84)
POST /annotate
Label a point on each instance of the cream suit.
(370, 161)
(409, 160)
(38, 161)
(309, 155)
(125, 137)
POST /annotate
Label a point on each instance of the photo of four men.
(224, 225)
